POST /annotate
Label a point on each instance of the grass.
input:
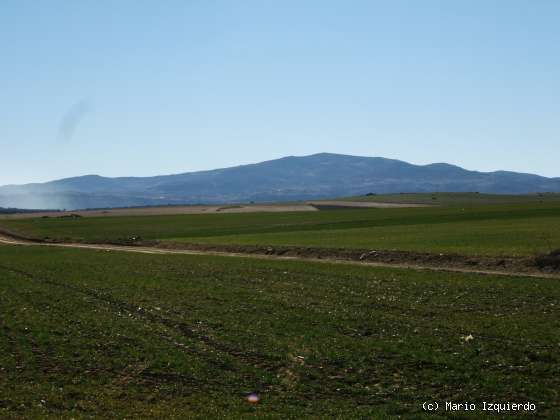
(90, 333)
(512, 229)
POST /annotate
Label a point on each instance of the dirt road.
(7, 240)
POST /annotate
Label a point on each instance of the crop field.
(112, 334)
(518, 237)
(506, 229)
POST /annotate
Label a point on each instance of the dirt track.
(387, 259)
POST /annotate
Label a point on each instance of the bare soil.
(167, 210)
(332, 204)
(200, 209)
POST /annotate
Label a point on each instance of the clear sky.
(157, 87)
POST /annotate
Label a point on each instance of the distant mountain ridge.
(322, 175)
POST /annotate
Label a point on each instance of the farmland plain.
(104, 333)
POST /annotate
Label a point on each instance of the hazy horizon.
(142, 88)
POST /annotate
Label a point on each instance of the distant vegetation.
(17, 211)
(458, 199)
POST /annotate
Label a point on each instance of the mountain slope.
(322, 175)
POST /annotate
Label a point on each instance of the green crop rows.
(108, 334)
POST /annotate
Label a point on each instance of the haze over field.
(322, 175)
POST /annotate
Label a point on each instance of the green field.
(107, 334)
(512, 229)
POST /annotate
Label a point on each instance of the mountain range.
(322, 175)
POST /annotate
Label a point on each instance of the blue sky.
(157, 87)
